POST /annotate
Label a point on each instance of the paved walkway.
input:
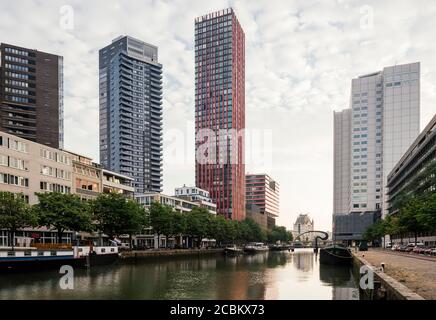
(418, 275)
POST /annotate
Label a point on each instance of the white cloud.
(300, 59)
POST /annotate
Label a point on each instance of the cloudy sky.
(300, 59)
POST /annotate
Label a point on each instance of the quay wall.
(135, 255)
(385, 287)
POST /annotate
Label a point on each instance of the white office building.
(369, 139)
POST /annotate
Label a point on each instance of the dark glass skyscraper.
(220, 110)
(31, 95)
(131, 112)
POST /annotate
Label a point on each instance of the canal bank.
(385, 286)
(150, 254)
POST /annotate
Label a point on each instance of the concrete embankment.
(134, 255)
(385, 287)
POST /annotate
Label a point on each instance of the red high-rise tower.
(220, 110)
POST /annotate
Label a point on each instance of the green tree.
(62, 212)
(160, 219)
(180, 223)
(170, 220)
(15, 214)
(426, 216)
(134, 219)
(279, 234)
(221, 230)
(289, 236)
(393, 227)
(198, 224)
(408, 217)
(375, 231)
(252, 232)
(116, 215)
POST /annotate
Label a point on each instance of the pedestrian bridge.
(321, 236)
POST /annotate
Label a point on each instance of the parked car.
(402, 248)
(395, 247)
(418, 249)
(433, 252)
(428, 250)
(409, 247)
(363, 246)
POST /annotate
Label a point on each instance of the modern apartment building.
(369, 138)
(197, 195)
(264, 192)
(220, 110)
(31, 95)
(131, 112)
(181, 204)
(420, 155)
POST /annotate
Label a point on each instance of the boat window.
(103, 250)
(40, 253)
(11, 253)
(53, 253)
(112, 249)
(27, 253)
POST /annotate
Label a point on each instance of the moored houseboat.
(32, 259)
(335, 255)
(53, 257)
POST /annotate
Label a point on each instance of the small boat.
(255, 247)
(98, 256)
(233, 250)
(335, 255)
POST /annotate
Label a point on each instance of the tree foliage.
(62, 212)
(15, 213)
(116, 215)
(279, 234)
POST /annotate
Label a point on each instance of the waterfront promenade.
(416, 272)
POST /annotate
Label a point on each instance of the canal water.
(269, 275)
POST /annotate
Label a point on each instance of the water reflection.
(304, 260)
(273, 275)
(342, 281)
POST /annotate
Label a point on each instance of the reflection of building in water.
(235, 287)
(303, 260)
(247, 279)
